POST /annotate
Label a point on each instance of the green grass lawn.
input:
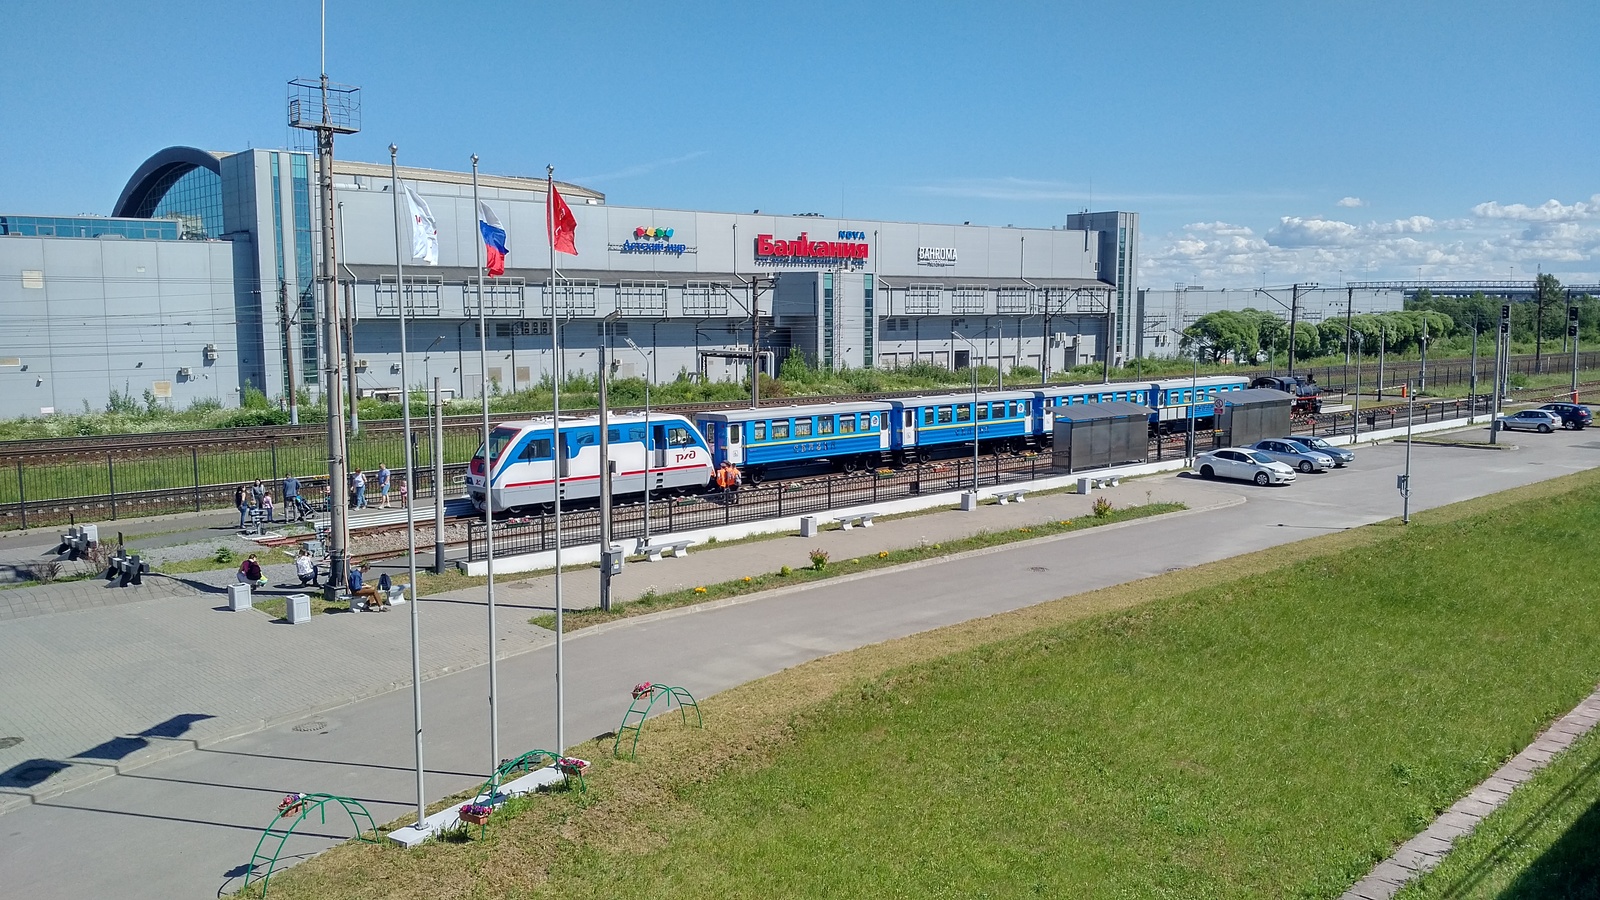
(1541, 844)
(1269, 726)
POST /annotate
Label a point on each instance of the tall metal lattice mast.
(326, 109)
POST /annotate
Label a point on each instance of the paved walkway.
(124, 654)
(192, 675)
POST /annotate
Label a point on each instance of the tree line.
(1250, 336)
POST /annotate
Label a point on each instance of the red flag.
(563, 227)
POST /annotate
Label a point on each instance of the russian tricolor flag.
(494, 239)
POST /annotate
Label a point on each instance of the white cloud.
(1412, 225)
(1294, 231)
(1548, 211)
(1351, 202)
(1562, 238)
(638, 169)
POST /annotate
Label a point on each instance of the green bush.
(246, 418)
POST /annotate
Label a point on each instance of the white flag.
(424, 234)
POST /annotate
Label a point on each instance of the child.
(266, 506)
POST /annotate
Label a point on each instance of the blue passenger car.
(1051, 397)
(768, 440)
(936, 425)
(1179, 399)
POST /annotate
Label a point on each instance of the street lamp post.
(970, 502)
(649, 450)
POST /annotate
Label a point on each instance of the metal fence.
(127, 483)
(748, 504)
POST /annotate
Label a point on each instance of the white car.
(1541, 420)
(1244, 464)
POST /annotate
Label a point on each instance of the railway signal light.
(1505, 327)
(1505, 312)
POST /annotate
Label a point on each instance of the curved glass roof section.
(179, 183)
(194, 198)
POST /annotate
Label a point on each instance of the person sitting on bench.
(358, 588)
(306, 568)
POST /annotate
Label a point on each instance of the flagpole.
(558, 452)
(411, 515)
(488, 494)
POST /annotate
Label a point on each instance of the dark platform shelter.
(1091, 435)
(1253, 415)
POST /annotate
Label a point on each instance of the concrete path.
(183, 824)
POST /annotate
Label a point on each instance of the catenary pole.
(438, 478)
(558, 451)
(649, 439)
(488, 492)
(411, 513)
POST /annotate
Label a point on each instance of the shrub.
(223, 555)
(253, 398)
(819, 559)
(45, 572)
(1102, 507)
(785, 572)
(246, 418)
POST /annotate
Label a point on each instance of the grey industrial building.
(202, 284)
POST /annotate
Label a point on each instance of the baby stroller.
(302, 509)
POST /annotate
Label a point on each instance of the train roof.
(1204, 381)
(581, 421)
(1056, 390)
(962, 397)
(789, 411)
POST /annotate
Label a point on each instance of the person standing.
(257, 491)
(241, 502)
(383, 485)
(266, 506)
(291, 498)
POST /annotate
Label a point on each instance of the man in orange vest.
(728, 481)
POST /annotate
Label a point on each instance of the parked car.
(1292, 454)
(1541, 420)
(1244, 464)
(1341, 457)
(1573, 415)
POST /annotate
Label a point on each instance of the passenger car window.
(760, 431)
(780, 430)
(802, 428)
(983, 412)
(847, 424)
(963, 413)
(679, 437)
(945, 415)
(927, 416)
(825, 425)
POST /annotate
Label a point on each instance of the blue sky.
(1260, 141)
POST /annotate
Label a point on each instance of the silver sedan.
(1294, 454)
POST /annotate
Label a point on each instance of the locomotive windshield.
(498, 440)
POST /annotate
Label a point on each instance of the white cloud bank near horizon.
(1495, 241)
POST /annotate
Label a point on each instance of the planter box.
(471, 819)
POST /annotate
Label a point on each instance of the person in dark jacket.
(250, 573)
(241, 502)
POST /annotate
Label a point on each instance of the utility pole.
(1538, 323)
(1422, 376)
(1383, 338)
(610, 559)
(311, 109)
(1572, 334)
(350, 337)
(1472, 389)
(438, 479)
(286, 322)
(1349, 310)
(1294, 318)
(755, 341)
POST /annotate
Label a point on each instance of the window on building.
(642, 298)
(923, 299)
(968, 299)
(705, 298)
(502, 297)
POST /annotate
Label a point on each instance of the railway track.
(1454, 370)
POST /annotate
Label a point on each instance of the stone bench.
(77, 540)
(1085, 485)
(1009, 495)
(851, 520)
(126, 570)
(654, 552)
